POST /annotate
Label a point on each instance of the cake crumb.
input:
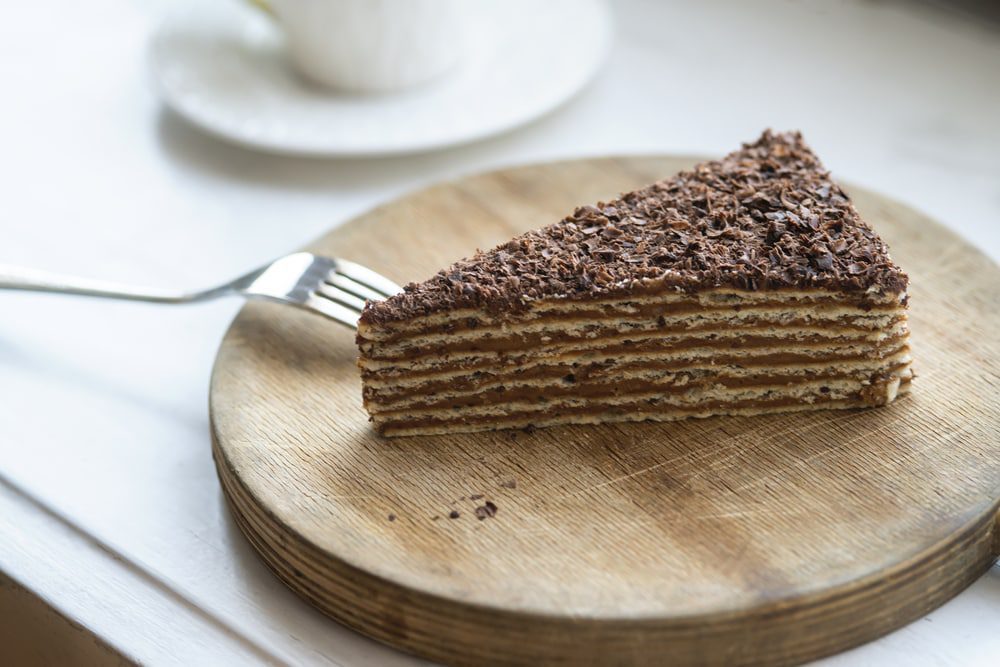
(453, 514)
(488, 510)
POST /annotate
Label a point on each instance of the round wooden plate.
(719, 541)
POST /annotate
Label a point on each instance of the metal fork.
(334, 288)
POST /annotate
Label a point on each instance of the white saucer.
(222, 67)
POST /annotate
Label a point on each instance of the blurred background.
(902, 97)
(102, 177)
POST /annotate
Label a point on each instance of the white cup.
(370, 45)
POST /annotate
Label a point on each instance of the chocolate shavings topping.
(767, 216)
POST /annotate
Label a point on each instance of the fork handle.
(19, 278)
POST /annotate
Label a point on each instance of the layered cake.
(744, 286)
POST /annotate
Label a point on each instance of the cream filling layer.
(494, 376)
(805, 392)
(500, 390)
(605, 417)
(632, 305)
(587, 350)
(619, 331)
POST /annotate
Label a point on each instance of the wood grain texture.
(720, 541)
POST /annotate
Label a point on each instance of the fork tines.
(350, 285)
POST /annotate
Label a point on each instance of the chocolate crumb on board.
(487, 510)
(453, 514)
(392, 517)
(510, 484)
(476, 496)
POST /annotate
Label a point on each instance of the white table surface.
(109, 505)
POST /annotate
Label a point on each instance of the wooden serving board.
(714, 542)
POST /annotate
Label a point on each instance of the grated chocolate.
(767, 216)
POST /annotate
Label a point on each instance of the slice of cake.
(744, 286)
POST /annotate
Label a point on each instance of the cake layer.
(805, 389)
(625, 384)
(597, 414)
(827, 306)
(545, 373)
(586, 381)
(609, 332)
(663, 349)
(658, 361)
(651, 302)
(852, 322)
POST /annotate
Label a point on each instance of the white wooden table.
(109, 506)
